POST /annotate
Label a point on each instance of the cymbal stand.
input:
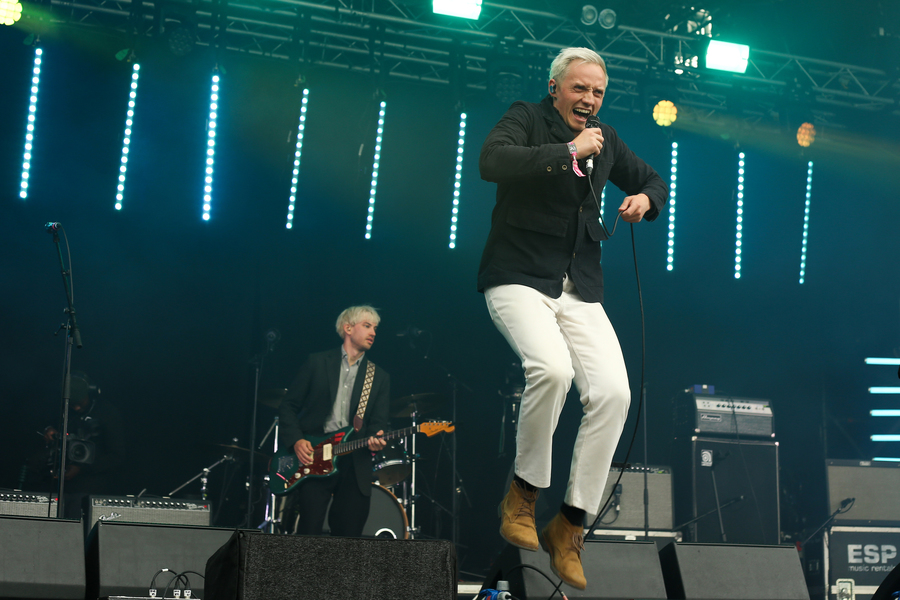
(409, 492)
(203, 476)
(271, 521)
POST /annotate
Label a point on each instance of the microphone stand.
(73, 335)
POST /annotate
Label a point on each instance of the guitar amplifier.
(626, 508)
(27, 504)
(700, 414)
(161, 511)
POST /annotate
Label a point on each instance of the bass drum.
(387, 519)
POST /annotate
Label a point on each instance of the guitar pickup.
(326, 452)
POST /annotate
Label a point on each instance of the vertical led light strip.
(211, 145)
(740, 217)
(126, 141)
(460, 146)
(375, 162)
(297, 151)
(29, 128)
(670, 259)
(809, 174)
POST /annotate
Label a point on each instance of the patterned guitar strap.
(364, 396)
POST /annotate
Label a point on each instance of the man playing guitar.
(333, 390)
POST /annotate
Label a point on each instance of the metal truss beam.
(396, 38)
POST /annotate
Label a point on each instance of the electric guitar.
(286, 471)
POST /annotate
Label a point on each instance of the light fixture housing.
(607, 19)
(725, 56)
(465, 9)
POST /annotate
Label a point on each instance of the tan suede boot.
(517, 518)
(564, 542)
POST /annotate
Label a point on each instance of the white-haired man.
(541, 276)
(325, 396)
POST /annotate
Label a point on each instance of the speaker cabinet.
(613, 569)
(255, 566)
(730, 572)
(41, 558)
(874, 485)
(122, 558)
(627, 505)
(741, 476)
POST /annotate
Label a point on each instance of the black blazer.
(310, 398)
(545, 222)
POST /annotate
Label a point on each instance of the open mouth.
(581, 113)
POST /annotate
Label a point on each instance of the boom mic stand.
(73, 335)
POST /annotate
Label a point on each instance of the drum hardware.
(202, 476)
(243, 452)
(272, 521)
(417, 403)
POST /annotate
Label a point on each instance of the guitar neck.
(348, 447)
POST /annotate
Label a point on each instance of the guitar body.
(286, 472)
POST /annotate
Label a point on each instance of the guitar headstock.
(431, 428)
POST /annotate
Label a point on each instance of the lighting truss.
(404, 39)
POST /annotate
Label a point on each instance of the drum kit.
(392, 511)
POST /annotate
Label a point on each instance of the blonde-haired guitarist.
(333, 390)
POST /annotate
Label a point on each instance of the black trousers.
(310, 503)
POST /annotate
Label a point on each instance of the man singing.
(541, 276)
(333, 390)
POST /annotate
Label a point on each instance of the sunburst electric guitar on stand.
(286, 472)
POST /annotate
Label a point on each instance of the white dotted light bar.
(885, 412)
(886, 437)
(740, 217)
(809, 174)
(297, 152)
(672, 192)
(886, 459)
(460, 146)
(29, 128)
(884, 390)
(883, 361)
(126, 141)
(211, 146)
(375, 162)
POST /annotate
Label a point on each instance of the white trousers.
(558, 340)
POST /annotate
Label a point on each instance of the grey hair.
(559, 68)
(353, 315)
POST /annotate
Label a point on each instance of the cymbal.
(272, 398)
(418, 403)
(242, 451)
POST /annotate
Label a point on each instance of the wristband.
(574, 152)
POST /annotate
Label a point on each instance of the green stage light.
(466, 9)
(725, 56)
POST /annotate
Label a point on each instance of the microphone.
(592, 123)
(847, 502)
(52, 227)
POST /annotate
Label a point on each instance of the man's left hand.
(634, 207)
(376, 442)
